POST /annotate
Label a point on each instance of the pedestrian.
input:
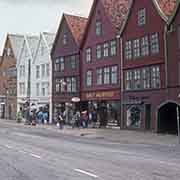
(45, 117)
(19, 115)
(60, 120)
(33, 117)
(40, 116)
(94, 118)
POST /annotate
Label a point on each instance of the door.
(148, 116)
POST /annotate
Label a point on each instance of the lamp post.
(178, 124)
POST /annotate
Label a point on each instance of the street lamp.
(178, 123)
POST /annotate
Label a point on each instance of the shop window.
(134, 117)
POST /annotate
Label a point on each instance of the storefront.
(107, 105)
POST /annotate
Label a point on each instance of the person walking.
(19, 115)
(60, 120)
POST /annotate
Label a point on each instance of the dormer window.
(98, 28)
(65, 39)
(142, 17)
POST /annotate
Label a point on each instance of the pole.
(178, 124)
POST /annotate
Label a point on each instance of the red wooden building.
(66, 61)
(144, 70)
(100, 63)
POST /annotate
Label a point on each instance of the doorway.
(167, 118)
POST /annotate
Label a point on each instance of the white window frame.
(98, 28)
(142, 17)
(106, 75)
(98, 51)
(154, 43)
(89, 78)
(144, 46)
(136, 48)
(114, 74)
(88, 55)
(128, 50)
(113, 48)
(99, 76)
(106, 49)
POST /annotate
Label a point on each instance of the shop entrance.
(167, 118)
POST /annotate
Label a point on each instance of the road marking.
(85, 172)
(36, 156)
(9, 147)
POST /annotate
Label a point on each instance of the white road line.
(9, 147)
(85, 172)
(36, 156)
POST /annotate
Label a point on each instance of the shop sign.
(104, 94)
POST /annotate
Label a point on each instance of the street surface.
(33, 153)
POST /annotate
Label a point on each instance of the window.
(73, 62)
(137, 79)
(128, 50)
(57, 65)
(99, 76)
(136, 48)
(57, 86)
(62, 64)
(146, 78)
(22, 88)
(98, 52)
(154, 43)
(129, 80)
(69, 84)
(144, 46)
(106, 49)
(62, 84)
(155, 73)
(47, 70)
(107, 75)
(37, 89)
(22, 71)
(179, 37)
(89, 78)
(98, 28)
(141, 17)
(114, 75)
(43, 89)
(65, 39)
(48, 89)
(88, 55)
(74, 84)
(113, 48)
(42, 70)
(37, 71)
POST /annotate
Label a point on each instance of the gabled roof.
(16, 43)
(116, 10)
(30, 43)
(161, 6)
(77, 26)
(48, 39)
(165, 7)
(177, 9)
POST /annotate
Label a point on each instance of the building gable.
(59, 48)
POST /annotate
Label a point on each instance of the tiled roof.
(117, 10)
(166, 6)
(77, 25)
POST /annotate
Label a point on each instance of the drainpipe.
(121, 79)
(166, 60)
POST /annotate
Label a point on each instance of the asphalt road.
(28, 153)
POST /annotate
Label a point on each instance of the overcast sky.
(34, 16)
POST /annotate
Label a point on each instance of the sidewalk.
(119, 136)
(112, 135)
